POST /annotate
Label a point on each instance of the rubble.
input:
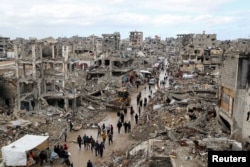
(75, 79)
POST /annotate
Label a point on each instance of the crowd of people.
(105, 132)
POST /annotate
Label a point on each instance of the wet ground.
(79, 157)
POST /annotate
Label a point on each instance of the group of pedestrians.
(121, 122)
(105, 132)
(94, 145)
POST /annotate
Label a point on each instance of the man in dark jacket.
(96, 148)
(89, 164)
(101, 148)
(122, 117)
(119, 125)
(136, 118)
(79, 141)
(128, 126)
(125, 124)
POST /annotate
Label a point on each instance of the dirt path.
(121, 142)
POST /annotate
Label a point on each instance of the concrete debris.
(50, 83)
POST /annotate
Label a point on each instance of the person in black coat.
(125, 124)
(122, 117)
(79, 141)
(89, 164)
(136, 118)
(119, 125)
(128, 126)
(101, 148)
(97, 149)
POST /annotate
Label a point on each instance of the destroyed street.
(175, 98)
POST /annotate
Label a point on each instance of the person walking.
(129, 126)
(108, 129)
(132, 111)
(110, 137)
(101, 148)
(141, 102)
(145, 101)
(89, 164)
(99, 131)
(104, 136)
(136, 118)
(125, 124)
(122, 117)
(70, 126)
(65, 134)
(119, 125)
(103, 126)
(111, 129)
(65, 147)
(79, 141)
(97, 150)
(92, 143)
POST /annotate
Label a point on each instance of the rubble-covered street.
(189, 97)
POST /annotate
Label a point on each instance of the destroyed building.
(170, 46)
(5, 46)
(207, 84)
(199, 51)
(46, 78)
(154, 46)
(111, 42)
(233, 107)
(136, 40)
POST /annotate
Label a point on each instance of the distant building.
(111, 42)
(4, 46)
(136, 39)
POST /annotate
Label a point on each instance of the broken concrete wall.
(111, 42)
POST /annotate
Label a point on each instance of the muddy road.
(121, 143)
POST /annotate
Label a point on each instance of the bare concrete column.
(24, 70)
(65, 71)
(34, 62)
(38, 102)
(74, 100)
(18, 96)
(44, 86)
(16, 61)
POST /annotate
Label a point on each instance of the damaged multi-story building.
(136, 40)
(111, 42)
(233, 108)
(112, 61)
(199, 51)
(154, 46)
(46, 76)
(5, 46)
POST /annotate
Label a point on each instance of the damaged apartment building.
(154, 46)
(112, 61)
(5, 46)
(47, 76)
(136, 40)
(233, 108)
(199, 51)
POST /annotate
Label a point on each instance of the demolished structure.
(202, 107)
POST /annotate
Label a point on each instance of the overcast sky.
(229, 19)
